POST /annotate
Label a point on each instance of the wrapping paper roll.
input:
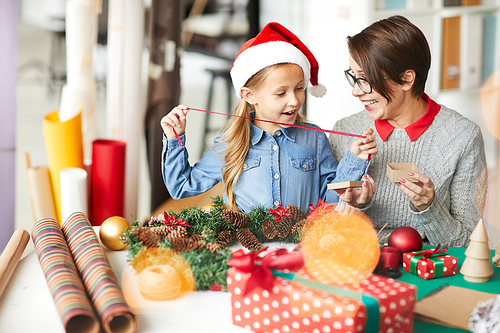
(63, 142)
(97, 276)
(125, 89)
(73, 191)
(63, 280)
(107, 180)
(79, 94)
(81, 36)
(39, 191)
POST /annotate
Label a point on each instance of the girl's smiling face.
(279, 98)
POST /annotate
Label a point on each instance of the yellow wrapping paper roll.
(63, 143)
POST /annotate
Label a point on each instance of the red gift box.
(291, 307)
(430, 264)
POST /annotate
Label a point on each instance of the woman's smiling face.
(377, 106)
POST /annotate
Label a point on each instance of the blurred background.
(150, 55)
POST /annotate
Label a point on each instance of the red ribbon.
(426, 254)
(279, 123)
(260, 268)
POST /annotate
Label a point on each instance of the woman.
(389, 62)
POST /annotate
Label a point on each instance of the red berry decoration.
(405, 239)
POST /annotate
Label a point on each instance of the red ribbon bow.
(260, 268)
(426, 254)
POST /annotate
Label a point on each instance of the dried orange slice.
(340, 249)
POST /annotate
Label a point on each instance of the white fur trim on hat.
(260, 56)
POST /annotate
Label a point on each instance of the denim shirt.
(291, 167)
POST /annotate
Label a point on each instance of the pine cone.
(155, 221)
(197, 237)
(180, 232)
(295, 213)
(163, 231)
(299, 225)
(238, 219)
(224, 238)
(147, 237)
(212, 247)
(181, 244)
(269, 229)
(284, 226)
(248, 239)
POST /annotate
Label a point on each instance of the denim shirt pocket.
(303, 163)
(251, 163)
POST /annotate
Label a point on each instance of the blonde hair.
(237, 136)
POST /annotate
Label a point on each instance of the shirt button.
(304, 166)
(278, 133)
(276, 176)
(276, 203)
(275, 147)
(244, 165)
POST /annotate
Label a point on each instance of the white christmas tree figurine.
(477, 267)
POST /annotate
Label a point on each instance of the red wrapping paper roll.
(107, 180)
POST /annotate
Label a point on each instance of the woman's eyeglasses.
(362, 83)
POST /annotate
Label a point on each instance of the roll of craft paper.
(73, 192)
(97, 276)
(107, 179)
(39, 191)
(81, 99)
(63, 142)
(125, 102)
(81, 36)
(63, 280)
(78, 95)
(11, 255)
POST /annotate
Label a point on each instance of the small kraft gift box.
(430, 264)
(294, 302)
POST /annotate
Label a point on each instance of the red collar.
(384, 129)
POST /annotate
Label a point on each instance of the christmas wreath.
(202, 237)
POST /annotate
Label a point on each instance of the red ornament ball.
(405, 239)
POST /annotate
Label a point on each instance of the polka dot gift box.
(430, 264)
(291, 307)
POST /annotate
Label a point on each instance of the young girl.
(262, 163)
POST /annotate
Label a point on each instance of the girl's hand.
(175, 119)
(421, 193)
(359, 197)
(365, 148)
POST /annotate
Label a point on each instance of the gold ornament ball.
(111, 230)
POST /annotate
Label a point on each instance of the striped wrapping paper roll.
(62, 277)
(97, 275)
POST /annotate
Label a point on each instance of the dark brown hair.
(389, 47)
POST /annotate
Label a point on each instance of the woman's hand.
(359, 197)
(421, 193)
(175, 119)
(365, 148)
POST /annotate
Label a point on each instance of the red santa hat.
(275, 44)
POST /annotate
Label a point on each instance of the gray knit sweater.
(450, 152)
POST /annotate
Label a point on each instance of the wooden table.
(27, 306)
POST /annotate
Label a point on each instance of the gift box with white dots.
(430, 268)
(292, 307)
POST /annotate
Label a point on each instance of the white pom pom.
(317, 91)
